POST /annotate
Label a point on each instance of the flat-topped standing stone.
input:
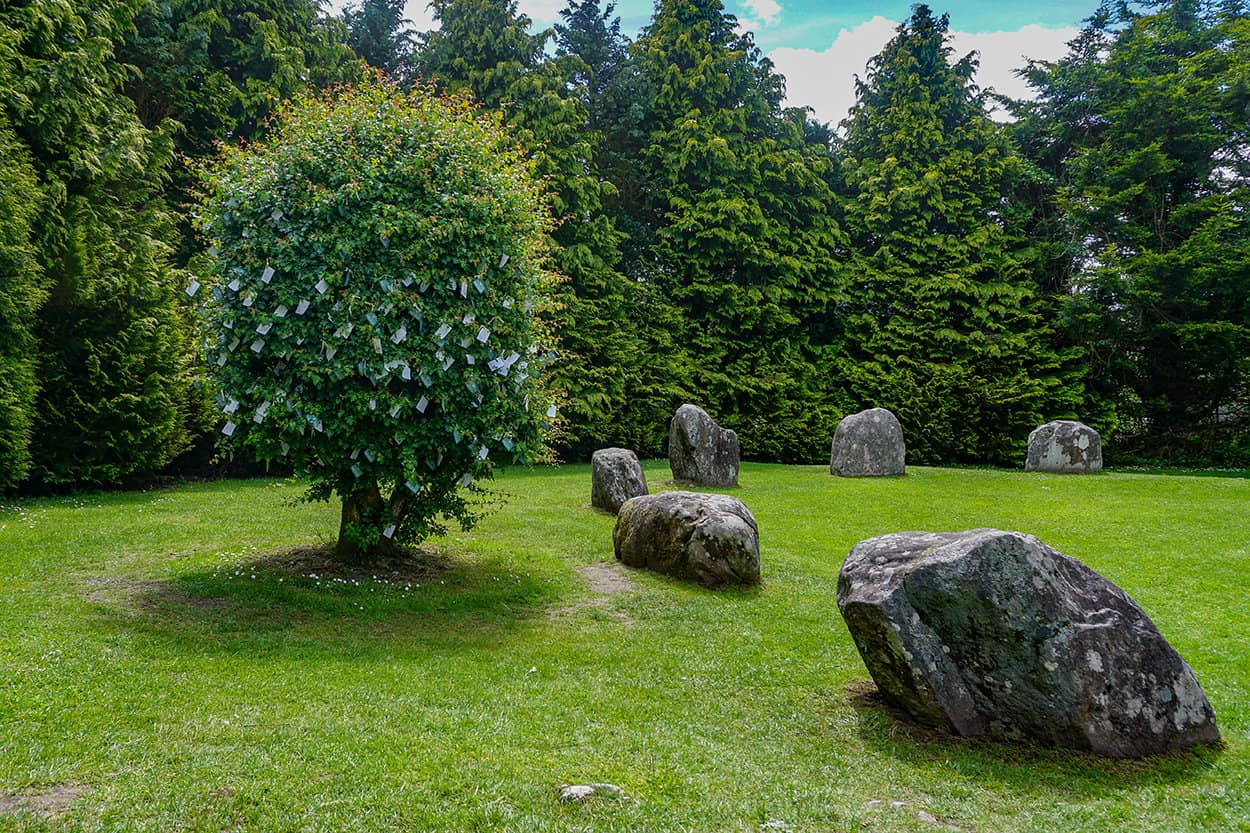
(615, 477)
(700, 452)
(1064, 446)
(868, 444)
(712, 539)
(995, 633)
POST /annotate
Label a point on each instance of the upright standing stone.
(700, 452)
(712, 539)
(1064, 446)
(615, 477)
(995, 633)
(868, 444)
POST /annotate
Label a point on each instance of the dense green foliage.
(218, 68)
(945, 325)
(484, 47)
(377, 258)
(1144, 128)
(110, 349)
(173, 654)
(20, 294)
(1090, 259)
(378, 32)
(741, 243)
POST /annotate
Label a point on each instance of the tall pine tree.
(735, 210)
(1143, 128)
(946, 326)
(379, 33)
(110, 345)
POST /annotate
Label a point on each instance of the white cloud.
(761, 13)
(825, 80)
(542, 12)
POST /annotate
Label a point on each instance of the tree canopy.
(377, 260)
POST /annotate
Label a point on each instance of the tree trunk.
(363, 509)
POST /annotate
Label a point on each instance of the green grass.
(153, 657)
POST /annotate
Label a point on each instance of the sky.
(821, 45)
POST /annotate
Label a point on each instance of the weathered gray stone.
(1064, 446)
(700, 452)
(615, 477)
(868, 444)
(995, 633)
(712, 539)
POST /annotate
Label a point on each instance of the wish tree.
(376, 265)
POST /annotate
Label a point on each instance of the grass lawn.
(161, 669)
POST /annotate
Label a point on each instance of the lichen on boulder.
(994, 633)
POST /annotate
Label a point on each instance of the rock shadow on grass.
(1021, 765)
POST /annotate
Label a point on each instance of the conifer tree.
(20, 295)
(740, 237)
(945, 325)
(1142, 127)
(378, 32)
(218, 68)
(110, 346)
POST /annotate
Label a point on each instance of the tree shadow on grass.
(1021, 767)
(297, 598)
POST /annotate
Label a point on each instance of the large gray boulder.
(615, 477)
(712, 539)
(1064, 446)
(868, 444)
(700, 452)
(994, 633)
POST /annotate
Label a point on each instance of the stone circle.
(868, 444)
(712, 539)
(1064, 446)
(994, 633)
(615, 477)
(700, 452)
